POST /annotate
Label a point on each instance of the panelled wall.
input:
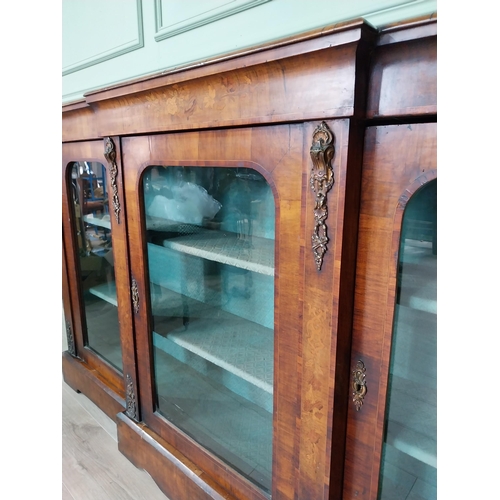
(105, 43)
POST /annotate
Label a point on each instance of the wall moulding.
(219, 9)
(237, 91)
(121, 41)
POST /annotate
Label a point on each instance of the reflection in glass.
(93, 228)
(409, 465)
(210, 240)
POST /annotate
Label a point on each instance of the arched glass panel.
(210, 251)
(93, 232)
(409, 455)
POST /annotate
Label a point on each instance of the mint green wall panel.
(176, 16)
(94, 32)
(107, 42)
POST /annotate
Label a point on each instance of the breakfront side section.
(95, 277)
(392, 437)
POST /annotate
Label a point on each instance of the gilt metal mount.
(135, 295)
(359, 384)
(110, 155)
(70, 338)
(321, 182)
(131, 410)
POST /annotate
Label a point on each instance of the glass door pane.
(409, 465)
(210, 248)
(93, 227)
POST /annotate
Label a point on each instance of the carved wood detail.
(321, 182)
(110, 155)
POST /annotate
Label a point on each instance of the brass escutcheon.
(359, 384)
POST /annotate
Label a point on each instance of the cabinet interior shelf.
(105, 291)
(252, 253)
(239, 346)
(104, 222)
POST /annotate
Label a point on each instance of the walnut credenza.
(268, 222)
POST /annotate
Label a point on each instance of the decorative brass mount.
(135, 295)
(359, 384)
(110, 155)
(131, 410)
(321, 182)
(70, 338)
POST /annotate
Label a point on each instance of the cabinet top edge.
(74, 105)
(420, 27)
(359, 29)
(410, 23)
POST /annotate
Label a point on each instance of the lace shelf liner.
(240, 346)
(245, 252)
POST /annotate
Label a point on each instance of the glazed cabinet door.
(236, 368)
(95, 285)
(391, 439)
(205, 230)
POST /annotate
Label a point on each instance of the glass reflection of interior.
(93, 227)
(409, 466)
(210, 241)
